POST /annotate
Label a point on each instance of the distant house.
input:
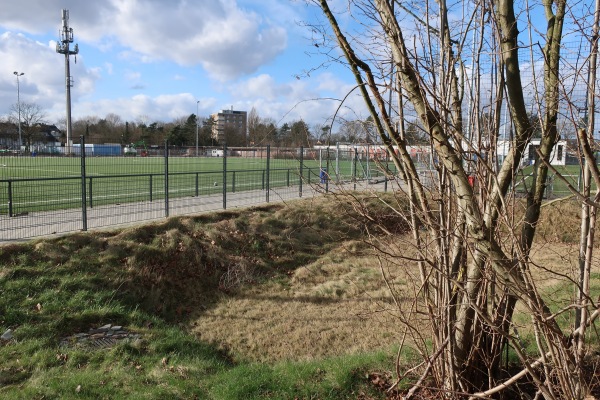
(49, 134)
(47, 138)
(9, 136)
(38, 137)
(557, 157)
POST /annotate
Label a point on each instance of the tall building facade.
(230, 126)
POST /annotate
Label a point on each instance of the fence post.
(166, 178)
(197, 191)
(301, 170)
(10, 203)
(327, 164)
(150, 186)
(354, 163)
(268, 171)
(368, 165)
(385, 173)
(83, 181)
(233, 182)
(224, 177)
(91, 192)
(337, 162)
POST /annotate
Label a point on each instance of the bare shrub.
(474, 215)
(236, 275)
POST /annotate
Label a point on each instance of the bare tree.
(30, 116)
(253, 126)
(86, 126)
(461, 77)
(261, 131)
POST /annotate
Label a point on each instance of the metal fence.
(44, 194)
(557, 186)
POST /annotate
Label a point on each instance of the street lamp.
(197, 123)
(18, 74)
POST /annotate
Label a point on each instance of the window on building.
(533, 152)
(559, 153)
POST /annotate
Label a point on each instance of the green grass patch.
(334, 378)
(31, 184)
(556, 186)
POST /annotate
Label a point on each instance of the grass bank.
(231, 305)
(282, 301)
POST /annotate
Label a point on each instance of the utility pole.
(18, 74)
(62, 47)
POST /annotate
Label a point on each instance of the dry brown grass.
(332, 306)
(340, 304)
(279, 282)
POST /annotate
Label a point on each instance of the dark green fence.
(41, 195)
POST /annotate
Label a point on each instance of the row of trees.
(182, 132)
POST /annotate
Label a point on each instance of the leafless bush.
(463, 79)
(236, 275)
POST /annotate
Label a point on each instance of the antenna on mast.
(63, 47)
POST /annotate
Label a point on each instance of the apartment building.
(229, 123)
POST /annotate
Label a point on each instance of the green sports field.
(60, 167)
(48, 183)
(557, 186)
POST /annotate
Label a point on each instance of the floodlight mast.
(62, 47)
(18, 74)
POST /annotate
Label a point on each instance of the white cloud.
(158, 108)
(149, 46)
(43, 81)
(298, 99)
(261, 86)
(44, 15)
(225, 39)
(133, 75)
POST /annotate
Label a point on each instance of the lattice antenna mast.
(63, 47)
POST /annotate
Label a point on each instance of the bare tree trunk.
(588, 213)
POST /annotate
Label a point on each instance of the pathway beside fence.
(49, 223)
(41, 196)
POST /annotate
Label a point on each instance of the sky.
(163, 60)
(160, 60)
